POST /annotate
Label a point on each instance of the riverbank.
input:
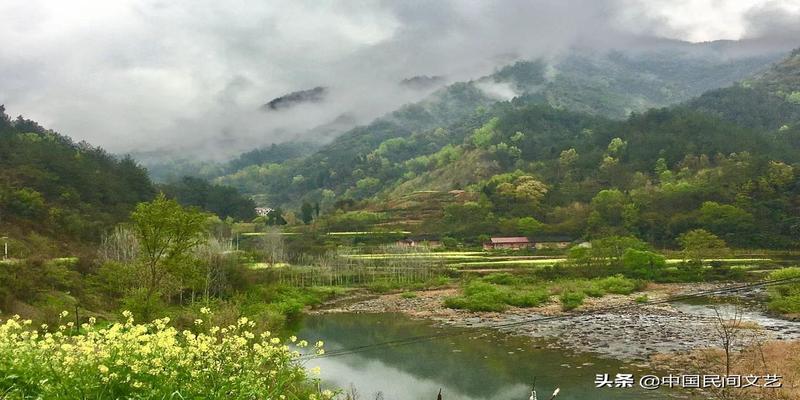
(614, 325)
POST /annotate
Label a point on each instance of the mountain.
(276, 153)
(767, 101)
(362, 161)
(422, 82)
(52, 187)
(313, 95)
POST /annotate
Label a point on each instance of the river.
(466, 364)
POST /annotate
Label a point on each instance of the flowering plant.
(151, 361)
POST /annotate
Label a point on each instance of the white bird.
(533, 395)
(555, 393)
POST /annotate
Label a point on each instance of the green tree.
(612, 248)
(483, 136)
(306, 212)
(275, 217)
(643, 263)
(528, 226)
(167, 234)
(699, 243)
(727, 221)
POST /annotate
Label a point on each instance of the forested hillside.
(609, 85)
(56, 194)
(722, 162)
(54, 187)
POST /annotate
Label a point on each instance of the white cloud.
(139, 75)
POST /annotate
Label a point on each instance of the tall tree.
(306, 212)
(167, 234)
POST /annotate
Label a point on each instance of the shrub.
(533, 298)
(617, 285)
(150, 361)
(785, 298)
(501, 278)
(642, 299)
(642, 263)
(571, 300)
(408, 295)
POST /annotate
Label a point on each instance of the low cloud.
(190, 76)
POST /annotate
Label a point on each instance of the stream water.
(469, 364)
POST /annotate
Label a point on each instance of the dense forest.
(55, 187)
(56, 194)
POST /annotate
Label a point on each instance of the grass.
(409, 295)
(498, 291)
(386, 286)
(359, 233)
(517, 263)
(423, 255)
(263, 265)
(246, 234)
(480, 295)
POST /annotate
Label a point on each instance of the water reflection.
(476, 365)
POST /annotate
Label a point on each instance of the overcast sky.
(139, 75)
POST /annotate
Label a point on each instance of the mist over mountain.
(186, 79)
(422, 81)
(314, 95)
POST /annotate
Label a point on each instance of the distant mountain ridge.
(610, 84)
(313, 95)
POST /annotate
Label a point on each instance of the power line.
(423, 338)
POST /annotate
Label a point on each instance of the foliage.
(223, 201)
(483, 296)
(571, 300)
(63, 190)
(699, 243)
(785, 298)
(166, 233)
(146, 361)
(464, 118)
(642, 263)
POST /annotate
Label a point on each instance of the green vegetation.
(498, 291)
(149, 361)
(54, 188)
(785, 298)
(221, 200)
(571, 300)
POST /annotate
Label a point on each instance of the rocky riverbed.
(613, 326)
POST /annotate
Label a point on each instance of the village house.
(513, 243)
(419, 241)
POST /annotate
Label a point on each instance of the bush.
(785, 298)
(502, 278)
(483, 296)
(617, 285)
(642, 299)
(642, 263)
(408, 295)
(533, 298)
(571, 300)
(150, 361)
(449, 242)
